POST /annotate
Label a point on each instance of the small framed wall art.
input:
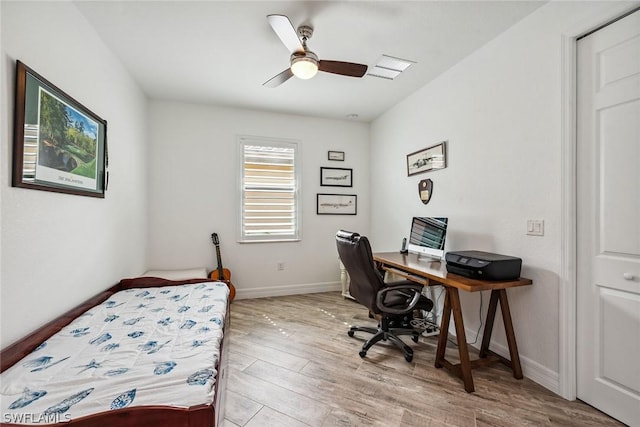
(430, 158)
(336, 156)
(59, 145)
(425, 190)
(336, 177)
(337, 204)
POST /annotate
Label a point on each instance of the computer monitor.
(427, 236)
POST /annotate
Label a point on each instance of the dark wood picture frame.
(337, 156)
(336, 204)
(58, 144)
(336, 177)
(430, 158)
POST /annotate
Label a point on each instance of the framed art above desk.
(434, 272)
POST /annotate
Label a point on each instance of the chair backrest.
(356, 256)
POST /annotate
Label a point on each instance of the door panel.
(608, 223)
(619, 308)
(619, 177)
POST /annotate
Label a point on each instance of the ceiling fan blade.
(283, 28)
(343, 68)
(278, 79)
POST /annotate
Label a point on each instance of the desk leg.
(514, 363)
(488, 327)
(511, 336)
(452, 305)
(463, 350)
(444, 329)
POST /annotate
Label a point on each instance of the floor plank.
(291, 363)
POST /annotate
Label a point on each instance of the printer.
(483, 265)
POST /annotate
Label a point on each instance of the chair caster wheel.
(414, 338)
(362, 353)
(350, 333)
(408, 357)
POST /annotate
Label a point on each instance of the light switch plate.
(535, 227)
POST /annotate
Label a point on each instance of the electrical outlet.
(280, 265)
(535, 227)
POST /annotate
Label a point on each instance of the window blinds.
(269, 191)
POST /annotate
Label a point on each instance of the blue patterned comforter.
(147, 346)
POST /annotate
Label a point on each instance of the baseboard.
(277, 291)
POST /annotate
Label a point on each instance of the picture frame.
(427, 159)
(337, 156)
(58, 144)
(336, 204)
(336, 177)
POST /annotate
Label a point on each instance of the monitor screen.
(428, 236)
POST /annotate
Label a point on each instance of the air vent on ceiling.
(389, 67)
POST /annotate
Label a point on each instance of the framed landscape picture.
(59, 145)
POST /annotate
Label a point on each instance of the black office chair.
(392, 304)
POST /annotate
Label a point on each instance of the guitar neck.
(220, 272)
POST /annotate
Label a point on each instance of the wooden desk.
(428, 273)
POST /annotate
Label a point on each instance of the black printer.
(483, 265)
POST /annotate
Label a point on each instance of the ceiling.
(220, 52)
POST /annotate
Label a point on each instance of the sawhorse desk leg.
(463, 369)
(514, 363)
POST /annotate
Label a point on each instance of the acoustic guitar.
(221, 273)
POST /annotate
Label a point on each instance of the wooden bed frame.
(137, 416)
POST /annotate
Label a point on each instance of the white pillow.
(191, 273)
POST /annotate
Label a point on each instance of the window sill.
(269, 240)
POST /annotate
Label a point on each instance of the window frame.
(244, 140)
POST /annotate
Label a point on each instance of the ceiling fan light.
(304, 68)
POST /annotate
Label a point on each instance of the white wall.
(57, 249)
(193, 192)
(500, 110)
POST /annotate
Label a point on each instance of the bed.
(147, 352)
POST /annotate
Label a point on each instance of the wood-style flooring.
(291, 363)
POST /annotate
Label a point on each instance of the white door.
(608, 211)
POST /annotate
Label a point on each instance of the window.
(270, 186)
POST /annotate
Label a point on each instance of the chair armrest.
(404, 283)
(401, 286)
(415, 288)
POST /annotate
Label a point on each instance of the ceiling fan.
(304, 63)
